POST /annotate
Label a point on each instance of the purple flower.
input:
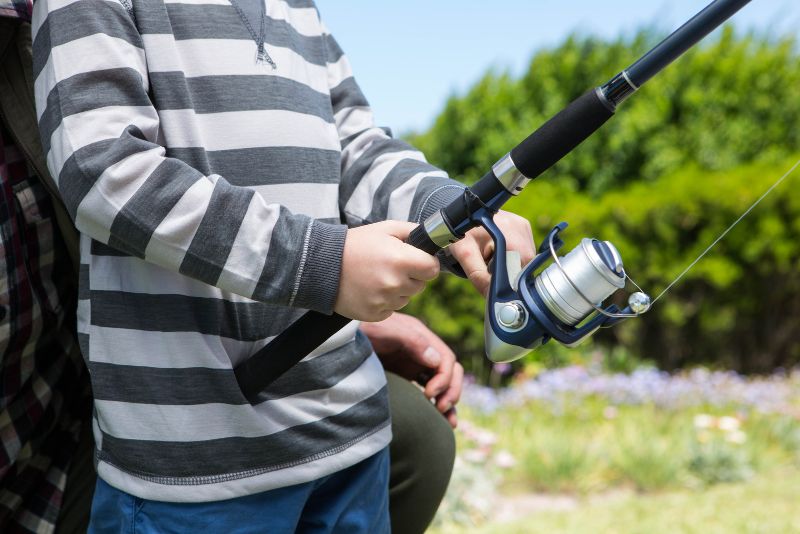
(779, 393)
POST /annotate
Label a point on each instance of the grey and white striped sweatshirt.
(213, 193)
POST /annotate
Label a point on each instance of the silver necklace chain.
(262, 56)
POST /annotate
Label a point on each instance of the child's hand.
(476, 249)
(380, 273)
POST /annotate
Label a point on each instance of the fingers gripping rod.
(508, 177)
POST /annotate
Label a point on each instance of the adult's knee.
(422, 456)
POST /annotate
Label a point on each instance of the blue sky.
(410, 55)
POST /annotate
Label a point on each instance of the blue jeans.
(355, 500)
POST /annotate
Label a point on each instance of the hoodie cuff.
(321, 267)
(438, 199)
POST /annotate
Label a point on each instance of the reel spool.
(563, 302)
(589, 273)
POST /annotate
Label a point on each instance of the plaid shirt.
(16, 9)
(43, 391)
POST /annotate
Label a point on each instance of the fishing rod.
(526, 306)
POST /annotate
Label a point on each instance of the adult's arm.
(408, 348)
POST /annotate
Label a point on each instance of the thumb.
(419, 348)
(398, 229)
(431, 357)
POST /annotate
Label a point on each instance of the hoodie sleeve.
(100, 134)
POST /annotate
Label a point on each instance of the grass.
(765, 504)
(586, 466)
(588, 447)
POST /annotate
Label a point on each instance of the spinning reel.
(527, 307)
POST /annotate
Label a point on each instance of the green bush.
(652, 463)
(730, 102)
(719, 462)
(680, 162)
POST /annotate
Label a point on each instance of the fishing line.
(723, 234)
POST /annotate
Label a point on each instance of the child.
(225, 174)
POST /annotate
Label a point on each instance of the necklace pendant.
(263, 57)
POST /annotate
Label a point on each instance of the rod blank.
(683, 39)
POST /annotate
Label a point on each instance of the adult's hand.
(410, 349)
(475, 250)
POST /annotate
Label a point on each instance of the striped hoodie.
(213, 193)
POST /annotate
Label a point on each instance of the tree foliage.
(718, 106)
(680, 162)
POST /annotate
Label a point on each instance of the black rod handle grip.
(561, 134)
